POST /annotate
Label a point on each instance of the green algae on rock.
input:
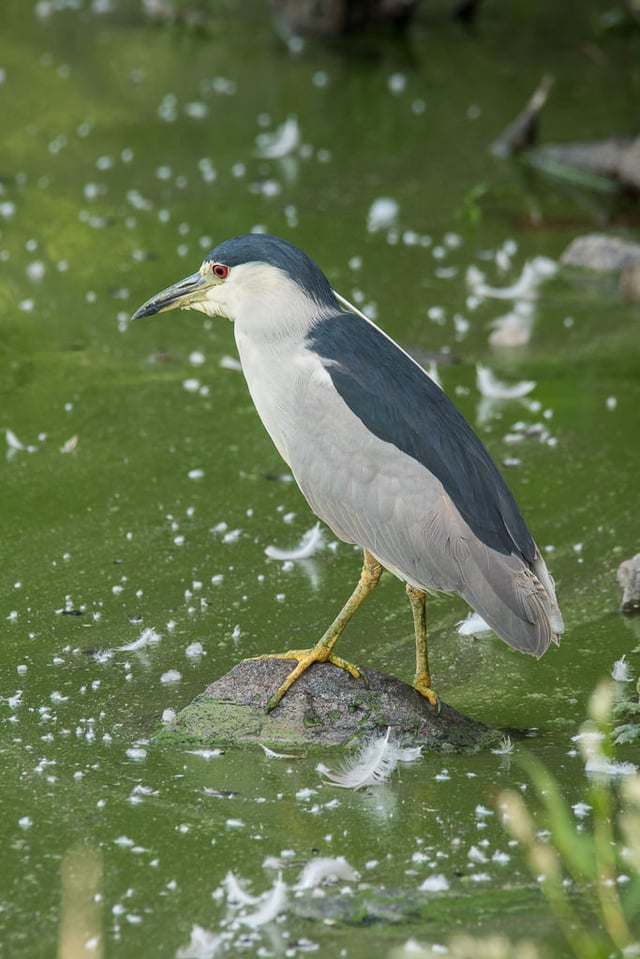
(324, 707)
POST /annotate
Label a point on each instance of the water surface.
(139, 489)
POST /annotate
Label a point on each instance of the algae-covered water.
(139, 490)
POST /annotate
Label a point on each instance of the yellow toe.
(422, 683)
(304, 659)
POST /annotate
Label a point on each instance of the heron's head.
(256, 280)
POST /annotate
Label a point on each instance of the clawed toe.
(305, 658)
(422, 684)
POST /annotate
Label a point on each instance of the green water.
(128, 150)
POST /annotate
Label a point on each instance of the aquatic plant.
(592, 868)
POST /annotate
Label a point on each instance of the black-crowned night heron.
(380, 453)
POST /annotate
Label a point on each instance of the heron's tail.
(516, 599)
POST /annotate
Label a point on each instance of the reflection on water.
(81, 923)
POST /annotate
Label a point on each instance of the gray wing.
(389, 463)
(397, 402)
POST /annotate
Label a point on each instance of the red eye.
(220, 270)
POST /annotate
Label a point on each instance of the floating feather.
(310, 543)
(325, 869)
(12, 440)
(472, 625)
(202, 945)
(383, 214)
(273, 903)
(513, 329)
(230, 363)
(599, 767)
(148, 637)
(495, 389)
(236, 893)
(205, 753)
(504, 748)
(286, 139)
(621, 671)
(372, 765)
(272, 754)
(435, 883)
(533, 274)
(70, 444)
(14, 444)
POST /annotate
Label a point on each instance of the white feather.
(15, 444)
(230, 363)
(621, 671)
(272, 754)
(533, 274)
(504, 748)
(273, 903)
(236, 893)
(148, 637)
(372, 765)
(436, 883)
(286, 139)
(472, 625)
(495, 389)
(325, 869)
(203, 945)
(310, 543)
(383, 214)
(599, 767)
(205, 753)
(12, 440)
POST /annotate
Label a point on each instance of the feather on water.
(373, 764)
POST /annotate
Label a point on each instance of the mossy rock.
(326, 706)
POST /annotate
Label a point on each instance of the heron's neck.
(277, 366)
(268, 308)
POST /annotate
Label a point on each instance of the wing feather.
(388, 462)
(400, 404)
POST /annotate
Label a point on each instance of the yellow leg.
(322, 651)
(422, 681)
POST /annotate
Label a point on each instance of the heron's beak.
(183, 295)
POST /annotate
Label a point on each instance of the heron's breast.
(281, 377)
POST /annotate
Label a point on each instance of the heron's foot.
(422, 683)
(306, 658)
